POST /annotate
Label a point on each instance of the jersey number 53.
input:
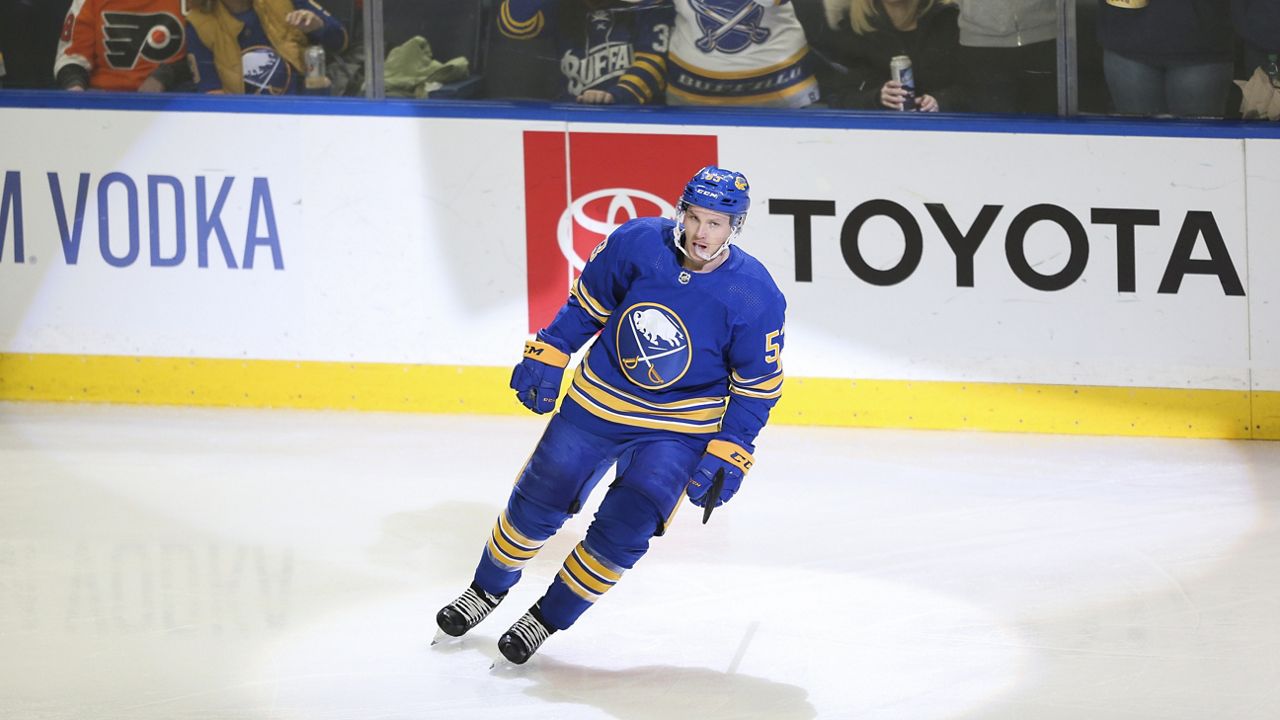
(772, 349)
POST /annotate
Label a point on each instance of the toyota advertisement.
(994, 257)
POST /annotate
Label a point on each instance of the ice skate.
(464, 613)
(523, 639)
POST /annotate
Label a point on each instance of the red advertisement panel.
(609, 179)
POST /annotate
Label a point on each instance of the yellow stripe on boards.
(1266, 415)
(1158, 412)
(258, 383)
(1067, 409)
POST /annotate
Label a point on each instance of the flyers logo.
(129, 37)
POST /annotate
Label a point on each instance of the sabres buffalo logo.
(265, 72)
(729, 26)
(653, 345)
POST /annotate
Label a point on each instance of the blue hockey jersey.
(618, 50)
(678, 351)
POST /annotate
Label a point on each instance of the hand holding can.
(316, 78)
(900, 72)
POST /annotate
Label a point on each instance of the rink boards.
(1050, 277)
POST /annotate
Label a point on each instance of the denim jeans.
(1138, 88)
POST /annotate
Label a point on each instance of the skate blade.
(443, 637)
(503, 666)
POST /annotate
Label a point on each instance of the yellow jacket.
(220, 29)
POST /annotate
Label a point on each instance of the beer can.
(314, 58)
(900, 71)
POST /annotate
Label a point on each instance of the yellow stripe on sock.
(595, 565)
(497, 554)
(511, 550)
(576, 586)
(582, 576)
(516, 535)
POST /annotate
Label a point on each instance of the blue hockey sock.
(505, 555)
(583, 579)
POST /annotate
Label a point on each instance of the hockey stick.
(713, 495)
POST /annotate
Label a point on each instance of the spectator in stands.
(125, 45)
(1168, 57)
(865, 35)
(29, 32)
(1008, 55)
(257, 47)
(1258, 24)
(739, 53)
(610, 52)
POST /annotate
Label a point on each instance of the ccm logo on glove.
(542, 352)
(731, 460)
(536, 379)
(735, 455)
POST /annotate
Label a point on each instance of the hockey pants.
(565, 467)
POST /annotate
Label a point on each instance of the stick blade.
(713, 495)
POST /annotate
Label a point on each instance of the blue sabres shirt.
(678, 351)
(266, 72)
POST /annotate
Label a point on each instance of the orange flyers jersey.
(120, 42)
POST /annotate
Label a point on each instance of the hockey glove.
(720, 455)
(536, 379)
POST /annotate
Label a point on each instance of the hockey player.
(681, 379)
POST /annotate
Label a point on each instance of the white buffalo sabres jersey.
(678, 351)
(738, 52)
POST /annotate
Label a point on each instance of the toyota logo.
(622, 202)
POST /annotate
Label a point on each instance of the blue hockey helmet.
(721, 190)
